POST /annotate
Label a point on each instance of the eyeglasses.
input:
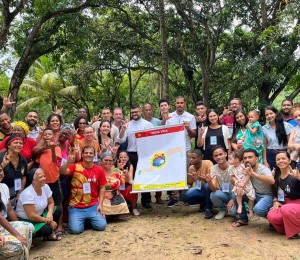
(108, 160)
(65, 134)
(89, 133)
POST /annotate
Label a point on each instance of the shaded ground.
(177, 233)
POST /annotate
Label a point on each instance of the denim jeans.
(196, 196)
(263, 203)
(77, 217)
(220, 199)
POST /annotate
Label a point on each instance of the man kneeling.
(87, 192)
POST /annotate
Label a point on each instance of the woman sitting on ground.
(284, 215)
(114, 203)
(36, 206)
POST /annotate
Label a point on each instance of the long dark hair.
(76, 121)
(99, 134)
(237, 126)
(127, 165)
(278, 173)
(280, 130)
(208, 123)
(2, 206)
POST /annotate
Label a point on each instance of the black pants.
(133, 157)
(46, 230)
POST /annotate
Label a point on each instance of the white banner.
(161, 159)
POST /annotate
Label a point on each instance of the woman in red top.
(21, 129)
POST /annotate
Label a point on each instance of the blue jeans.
(263, 203)
(195, 196)
(77, 217)
(220, 200)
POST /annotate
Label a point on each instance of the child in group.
(124, 165)
(49, 158)
(241, 180)
(254, 137)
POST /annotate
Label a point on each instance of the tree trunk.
(164, 50)
(17, 78)
(205, 84)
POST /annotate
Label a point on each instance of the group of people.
(83, 171)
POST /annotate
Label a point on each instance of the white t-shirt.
(4, 197)
(178, 119)
(29, 196)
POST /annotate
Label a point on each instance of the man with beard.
(136, 124)
(227, 117)
(32, 119)
(5, 125)
(262, 181)
(286, 108)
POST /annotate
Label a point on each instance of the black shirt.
(11, 173)
(213, 138)
(291, 187)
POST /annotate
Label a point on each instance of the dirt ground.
(180, 232)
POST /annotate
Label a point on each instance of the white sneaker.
(136, 212)
(220, 215)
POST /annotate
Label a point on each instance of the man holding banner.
(128, 132)
(178, 117)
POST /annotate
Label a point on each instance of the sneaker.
(172, 203)
(136, 212)
(208, 214)
(220, 215)
(159, 201)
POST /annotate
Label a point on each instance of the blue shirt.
(271, 137)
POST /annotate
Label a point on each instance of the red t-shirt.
(28, 145)
(94, 176)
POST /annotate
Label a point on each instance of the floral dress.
(255, 141)
(114, 203)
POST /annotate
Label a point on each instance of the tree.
(47, 28)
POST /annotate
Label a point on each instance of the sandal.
(239, 223)
(52, 237)
(60, 232)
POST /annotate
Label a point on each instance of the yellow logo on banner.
(181, 184)
(158, 160)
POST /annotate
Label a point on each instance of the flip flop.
(239, 223)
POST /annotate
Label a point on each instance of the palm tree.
(44, 85)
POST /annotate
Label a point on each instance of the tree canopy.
(119, 53)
